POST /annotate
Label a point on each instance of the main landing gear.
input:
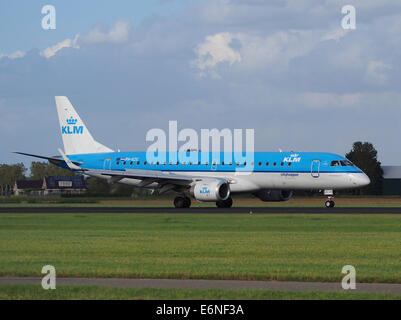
(330, 195)
(225, 203)
(182, 202)
(185, 202)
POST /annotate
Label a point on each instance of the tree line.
(362, 154)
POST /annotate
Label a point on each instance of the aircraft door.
(315, 168)
(107, 164)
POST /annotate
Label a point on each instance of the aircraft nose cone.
(360, 179)
(365, 180)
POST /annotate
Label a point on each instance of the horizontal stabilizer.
(55, 160)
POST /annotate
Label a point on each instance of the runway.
(209, 284)
(207, 210)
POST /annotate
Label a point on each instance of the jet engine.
(213, 190)
(273, 195)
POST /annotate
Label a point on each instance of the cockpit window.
(335, 163)
(346, 163)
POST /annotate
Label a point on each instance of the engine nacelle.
(214, 190)
(273, 195)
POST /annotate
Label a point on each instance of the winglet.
(69, 163)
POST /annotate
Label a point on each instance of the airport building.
(51, 186)
(391, 180)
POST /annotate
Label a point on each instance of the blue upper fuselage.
(218, 162)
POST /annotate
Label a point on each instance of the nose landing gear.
(330, 195)
(329, 203)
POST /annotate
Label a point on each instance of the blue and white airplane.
(273, 175)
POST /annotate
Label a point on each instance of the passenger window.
(117, 163)
(267, 163)
(282, 163)
(260, 163)
(274, 163)
(289, 164)
(138, 163)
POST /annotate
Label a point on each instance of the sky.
(286, 69)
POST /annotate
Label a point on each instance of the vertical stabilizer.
(76, 137)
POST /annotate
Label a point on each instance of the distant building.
(391, 180)
(28, 187)
(64, 185)
(51, 186)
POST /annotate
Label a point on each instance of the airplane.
(273, 175)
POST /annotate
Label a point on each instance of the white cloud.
(214, 50)
(67, 43)
(276, 50)
(335, 34)
(14, 55)
(255, 51)
(376, 71)
(324, 100)
(118, 34)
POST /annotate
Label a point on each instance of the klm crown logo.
(71, 127)
(71, 121)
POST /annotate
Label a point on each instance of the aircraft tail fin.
(76, 137)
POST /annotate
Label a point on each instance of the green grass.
(239, 201)
(208, 246)
(195, 204)
(27, 292)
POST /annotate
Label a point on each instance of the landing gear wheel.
(182, 202)
(225, 203)
(330, 196)
(187, 203)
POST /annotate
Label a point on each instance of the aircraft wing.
(163, 178)
(147, 176)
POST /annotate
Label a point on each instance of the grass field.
(342, 201)
(208, 246)
(26, 292)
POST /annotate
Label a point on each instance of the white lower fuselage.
(254, 181)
